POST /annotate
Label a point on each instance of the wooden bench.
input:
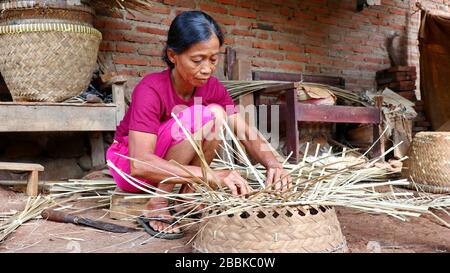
(65, 117)
(293, 111)
(33, 176)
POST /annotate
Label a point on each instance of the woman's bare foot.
(155, 209)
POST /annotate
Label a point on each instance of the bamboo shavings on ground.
(60, 193)
(358, 185)
(4, 216)
(33, 209)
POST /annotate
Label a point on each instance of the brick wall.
(327, 37)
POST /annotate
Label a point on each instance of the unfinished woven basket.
(19, 12)
(428, 164)
(48, 62)
(289, 229)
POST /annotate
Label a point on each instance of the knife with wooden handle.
(58, 216)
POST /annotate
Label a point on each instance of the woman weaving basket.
(149, 133)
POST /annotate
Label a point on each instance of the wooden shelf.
(65, 117)
(42, 117)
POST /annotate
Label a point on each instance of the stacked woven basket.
(283, 230)
(48, 49)
(428, 165)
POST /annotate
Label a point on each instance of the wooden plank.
(230, 58)
(278, 89)
(12, 166)
(336, 113)
(379, 147)
(110, 80)
(404, 135)
(33, 183)
(83, 105)
(242, 71)
(329, 80)
(97, 149)
(118, 92)
(298, 77)
(276, 76)
(43, 117)
(292, 116)
(121, 208)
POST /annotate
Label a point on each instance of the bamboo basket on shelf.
(428, 165)
(26, 12)
(288, 229)
(47, 62)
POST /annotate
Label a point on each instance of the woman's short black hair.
(189, 28)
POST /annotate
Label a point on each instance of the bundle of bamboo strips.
(87, 188)
(237, 89)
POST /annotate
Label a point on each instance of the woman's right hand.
(234, 181)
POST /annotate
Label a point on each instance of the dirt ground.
(364, 233)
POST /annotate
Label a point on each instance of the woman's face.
(198, 63)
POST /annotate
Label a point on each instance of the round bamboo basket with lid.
(428, 163)
(299, 229)
(19, 12)
(48, 62)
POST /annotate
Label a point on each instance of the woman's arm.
(256, 146)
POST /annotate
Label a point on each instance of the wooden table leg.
(379, 147)
(292, 133)
(97, 149)
(33, 183)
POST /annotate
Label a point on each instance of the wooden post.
(239, 70)
(293, 142)
(230, 58)
(97, 149)
(242, 71)
(33, 183)
(379, 147)
(118, 92)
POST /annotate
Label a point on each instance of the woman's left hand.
(278, 176)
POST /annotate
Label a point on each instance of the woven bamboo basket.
(20, 12)
(48, 62)
(14, 12)
(290, 229)
(428, 164)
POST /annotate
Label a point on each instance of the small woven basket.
(428, 163)
(48, 62)
(19, 12)
(289, 229)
